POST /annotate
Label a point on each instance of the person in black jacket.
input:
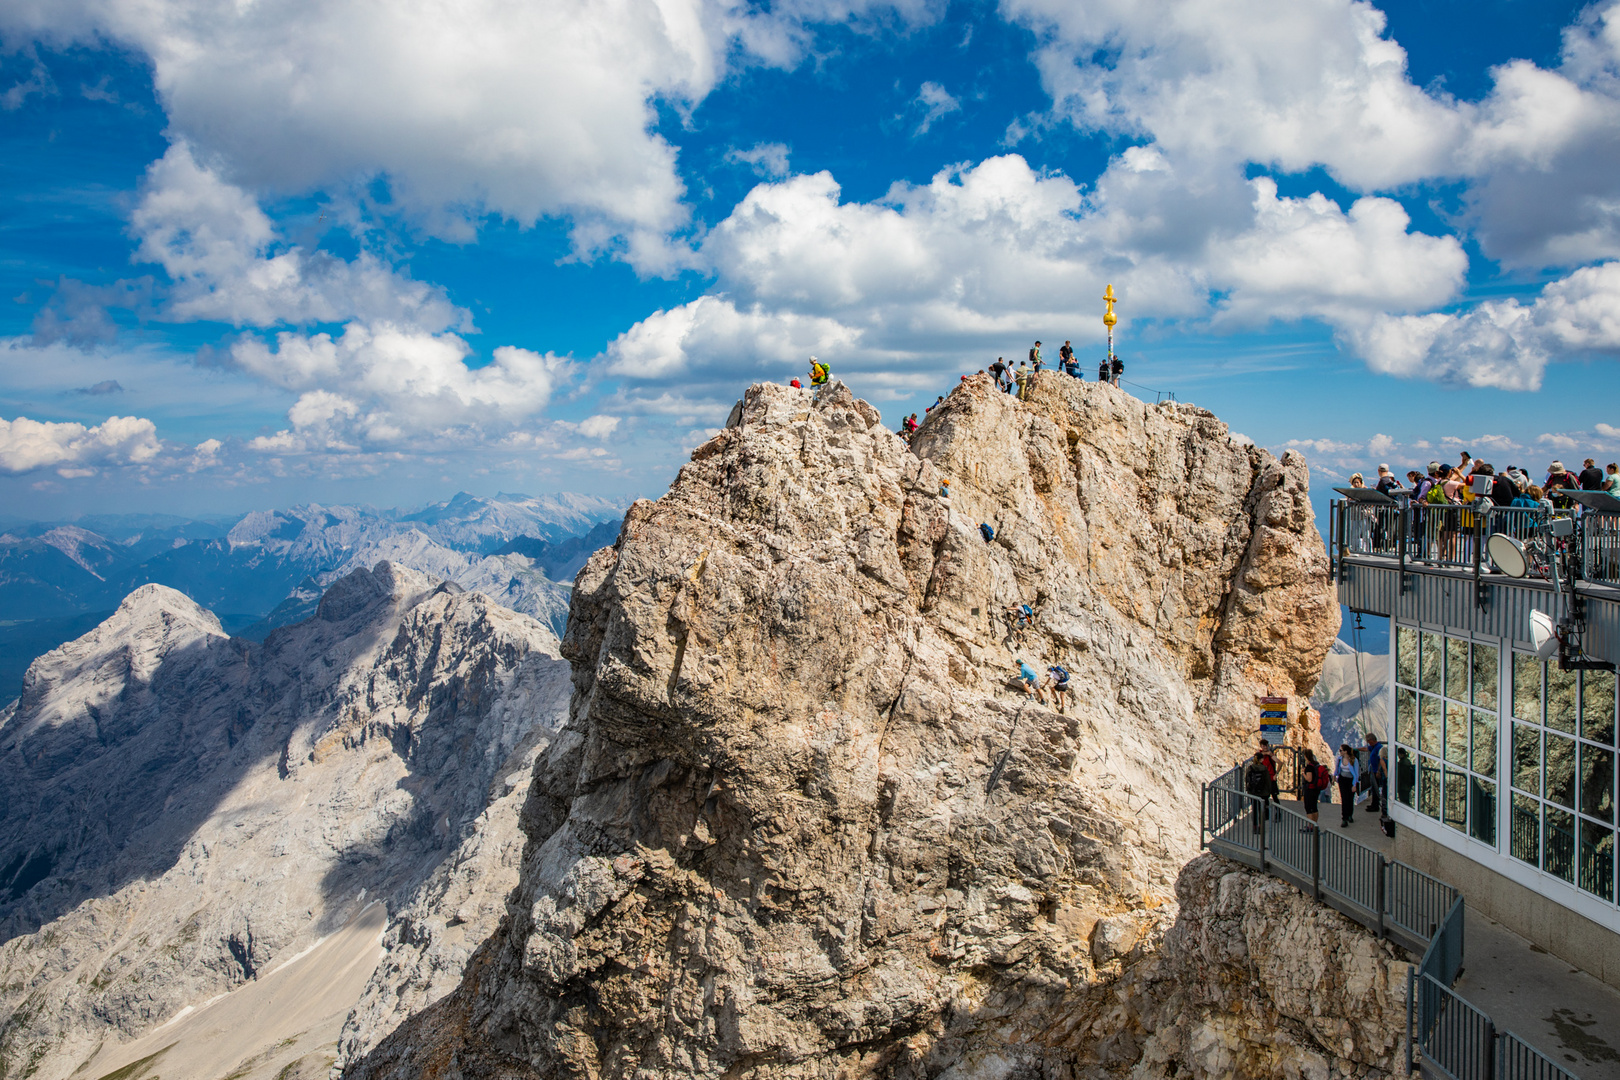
(1117, 368)
(1591, 477)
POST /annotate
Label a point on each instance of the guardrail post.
(1316, 862)
(1490, 1058)
(1406, 512)
(1381, 891)
(1411, 992)
(1203, 817)
(1265, 829)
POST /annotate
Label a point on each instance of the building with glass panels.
(1508, 760)
(1502, 765)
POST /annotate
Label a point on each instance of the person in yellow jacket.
(819, 373)
(1022, 378)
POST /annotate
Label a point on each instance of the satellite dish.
(1542, 634)
(1508, 555)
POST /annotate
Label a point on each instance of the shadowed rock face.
(201, 808)
(769, 846)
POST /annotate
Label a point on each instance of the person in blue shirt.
(1027, 676)
(1348, 774)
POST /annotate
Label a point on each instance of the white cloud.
(1307, 257)
(935, 102)
(984, 257)
(387, 385)
(223, 254)
(769, 160)
(517, 109)
(75, 450)
(1221, 82)
(598, 427)
(1499, 343)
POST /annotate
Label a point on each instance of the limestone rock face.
(803, 824)
(182, 813)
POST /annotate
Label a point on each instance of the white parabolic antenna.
(1542, 634)
(1508, 555)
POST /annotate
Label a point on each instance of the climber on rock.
(819, 372)
(1020, 617)
(1058, 682)
(1031, 681)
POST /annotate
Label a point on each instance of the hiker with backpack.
(1348, 774)
(1258, 781)
(1059, 685)
(819, 372)
(1035, 357)
(1315, 781)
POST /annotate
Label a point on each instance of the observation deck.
(1427, 564)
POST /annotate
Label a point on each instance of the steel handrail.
(1445, 1035)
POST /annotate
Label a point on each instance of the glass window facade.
(1476, 724)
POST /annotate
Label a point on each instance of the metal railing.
(1600, 547)
(1445, 1036)
(1389, 898)
(1452, 535)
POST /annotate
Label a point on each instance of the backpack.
(1437, 495)
(987, 531)
(1320, 778)
(1060, 672)
(1256, 781)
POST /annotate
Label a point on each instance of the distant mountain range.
(268, 568)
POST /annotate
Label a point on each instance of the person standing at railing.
(1558, 479)
(1591, 476)
(1377, 776)
(1314, 779)
(1611, 481)
(1259, 777)
(1348, 774)
(1503, 490)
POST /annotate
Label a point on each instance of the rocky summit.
(321, 828)
(804, 823)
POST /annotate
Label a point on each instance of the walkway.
(1562, 1011)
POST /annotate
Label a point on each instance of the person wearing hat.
(1387, 484)
(1035, 357)
(1559, 479)
(1356, 480)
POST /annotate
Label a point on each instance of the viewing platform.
(1429, 564)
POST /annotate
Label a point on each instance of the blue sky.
(283, 252)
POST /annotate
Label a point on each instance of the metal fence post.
(1411, 990)
(1381, 891)
(1491, 1057)
(1265, 828)
(1316, 862)
(1203, 817)
(1406, 512)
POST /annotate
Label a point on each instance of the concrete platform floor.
(1561, 1011)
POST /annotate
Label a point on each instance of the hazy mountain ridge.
(181, 813)
(264, 569)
